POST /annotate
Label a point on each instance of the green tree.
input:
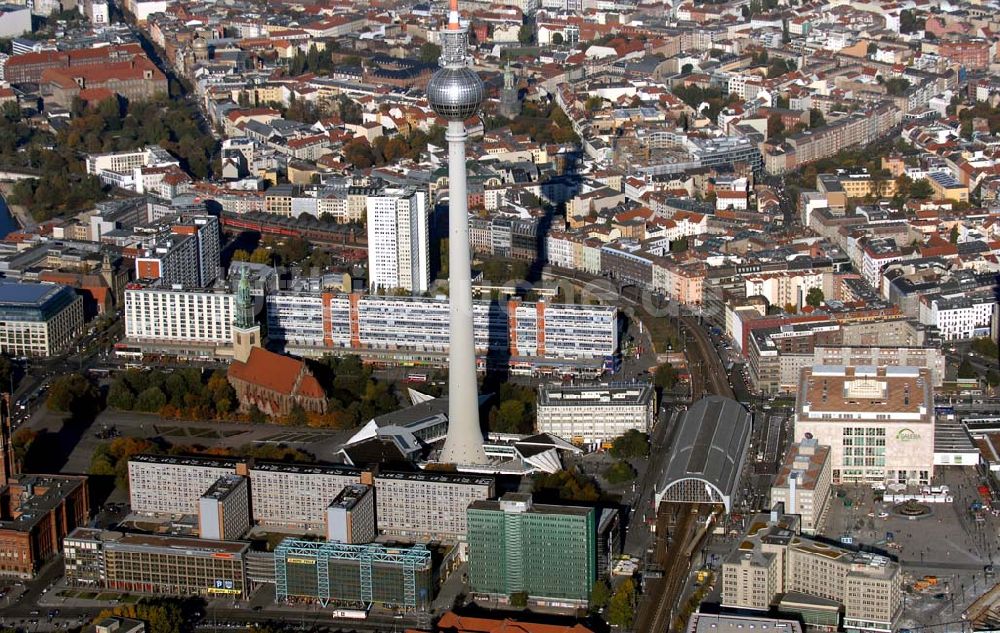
(775, 127)
(297, 416)
(599, 595)
(896, 86)
(687, 69)
(151, 400)
(619, 472)
(519, 599)
(429, 52)
(557, 39)
(966, 370)
(111, 458)
(665, 377)
(985, 346)
(21, 442)
(953, 237)
(73, 394)
(566, 485)
(161, 615)
(593, 103)
(6, 373)
(621, 608)
(256, 415)
(908, 22)
(921, 190)
(120, 396)
(816, 118)
(525, 34)
(815, 297)
(509, 417)
(993, 378)
(632, 443)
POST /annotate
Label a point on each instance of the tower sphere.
(455, 94)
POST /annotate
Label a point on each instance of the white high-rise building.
(398, 241)
(155, 313)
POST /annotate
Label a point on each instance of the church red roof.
(276, 373)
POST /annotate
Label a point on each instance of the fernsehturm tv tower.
(456, 92)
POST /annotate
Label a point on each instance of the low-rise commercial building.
(153, 564)
(719, 623)
(547, 552)
(595, 414)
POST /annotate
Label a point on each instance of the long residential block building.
(417, 505)
(381, 327)
(422, 504)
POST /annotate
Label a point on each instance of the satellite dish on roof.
(809, 436)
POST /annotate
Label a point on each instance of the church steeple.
(244, 301)
(246, 332)
(510, 102)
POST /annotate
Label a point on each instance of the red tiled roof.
(100, 73)
(451, 622)
(277, 373)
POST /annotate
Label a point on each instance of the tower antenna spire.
(453, 16)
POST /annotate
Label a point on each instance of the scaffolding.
(375, 569)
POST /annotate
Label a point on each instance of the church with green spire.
(246, 332)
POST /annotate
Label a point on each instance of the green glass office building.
(548, 552)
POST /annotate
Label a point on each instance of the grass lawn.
(108, 595)
(86, 595)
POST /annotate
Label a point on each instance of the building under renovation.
(353, 575)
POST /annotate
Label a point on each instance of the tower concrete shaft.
(464, 443)
(456, 92)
